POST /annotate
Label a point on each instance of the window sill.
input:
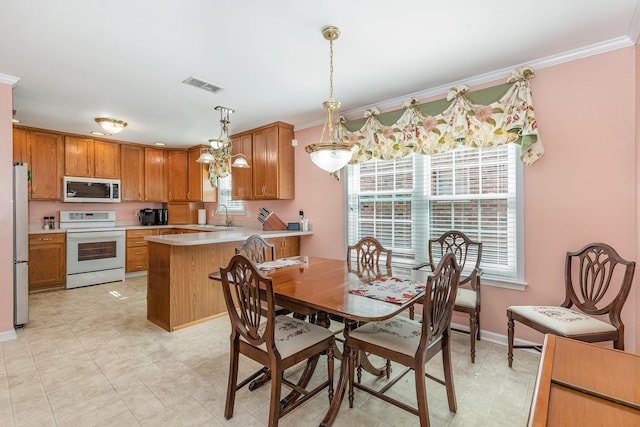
(505, 284)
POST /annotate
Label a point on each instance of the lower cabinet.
(47, 262)
(286, 246)
(137, 257)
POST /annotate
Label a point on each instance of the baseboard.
(494, 337)
(8, 335)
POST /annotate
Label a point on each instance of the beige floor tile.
(89, 357)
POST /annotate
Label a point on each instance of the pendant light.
(331, 154)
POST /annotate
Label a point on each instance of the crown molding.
(549, 61)
(9, 80)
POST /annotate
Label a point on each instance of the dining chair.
(259, 250)
(468, 255)
(412, 343)
(276, 342)
(597, 283)
(366, 255)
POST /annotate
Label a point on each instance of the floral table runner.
(391, 289)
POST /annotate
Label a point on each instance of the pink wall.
(124, 211)
(6, 210)
(581, 191)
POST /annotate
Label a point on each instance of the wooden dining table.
(322, 285)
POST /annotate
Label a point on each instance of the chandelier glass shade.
(111, 126)
(332, 153)
(220, 150)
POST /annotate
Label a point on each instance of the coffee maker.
(147, 216)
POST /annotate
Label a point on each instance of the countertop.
(209, 233)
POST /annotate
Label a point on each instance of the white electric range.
(95, 247)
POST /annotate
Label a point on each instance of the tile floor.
(89, 357)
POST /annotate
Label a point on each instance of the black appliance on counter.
(154, 216)
(161, 216)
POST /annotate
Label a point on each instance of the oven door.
(89, 251)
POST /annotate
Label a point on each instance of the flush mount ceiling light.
(332, 154)
(111, 126)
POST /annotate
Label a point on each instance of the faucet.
(227, 221)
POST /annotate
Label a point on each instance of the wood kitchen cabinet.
(20, 151)
(200, 188)
(286, 246)
(46, 162)
(154, 175)
(86, 157)
(137, 254)
(177, 175)
(132, 173)
(242, 178)
(272, 163)
(47, 262)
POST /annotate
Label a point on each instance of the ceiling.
(127, 59)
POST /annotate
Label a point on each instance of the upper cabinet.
(46, 162)
(200, 188)
(132, 173)
(20, 152)
(272, 163)
(177, 175)
(86, 157)
(154, 175)
(242, 178)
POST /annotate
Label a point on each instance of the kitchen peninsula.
(179, 291)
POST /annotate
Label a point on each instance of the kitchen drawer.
(136, 241)
(141, 233)
(47, 238)
(137, 259)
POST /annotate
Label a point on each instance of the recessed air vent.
(210, 87)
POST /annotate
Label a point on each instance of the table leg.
(343, 379)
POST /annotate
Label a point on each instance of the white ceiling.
(81, 59)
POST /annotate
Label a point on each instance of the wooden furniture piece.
(597, 283)
(86, 157)
(276, 342)
(46, 162)
(200, 188)
(177, 175)
(137, 254)
(322, 285)
(581, 384)
(365, 255)
(412, 343)
(468, 256)
(47, 262)
(269, 151)
(154, 175)
(131, 173)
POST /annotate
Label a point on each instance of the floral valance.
(462, 122)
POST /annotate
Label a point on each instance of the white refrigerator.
(20, 244)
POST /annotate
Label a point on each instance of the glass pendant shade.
(331, 157)
(205, 157)
(240, 162)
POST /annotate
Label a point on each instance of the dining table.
(331, 287)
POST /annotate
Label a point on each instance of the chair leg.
(472, 336)
(448, 374)
(330, 371)
(274, 404)
(233, 380)
(510, 327)
(478, 325)
(352, 366)
(421, 395)
(412, 312)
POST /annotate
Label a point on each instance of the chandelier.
(332, 154)
(220, 149)
(111, 126)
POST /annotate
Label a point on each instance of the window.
(405, 202)
(224, 197)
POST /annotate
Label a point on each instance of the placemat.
(391, 289)
(279, 263)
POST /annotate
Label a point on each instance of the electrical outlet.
(301, 213)
(248, 213)
(137, 213)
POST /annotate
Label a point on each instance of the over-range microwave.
(91, 190)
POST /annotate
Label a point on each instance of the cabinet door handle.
(45, 239)
(139, 253)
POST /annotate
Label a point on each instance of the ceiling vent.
(199, 83)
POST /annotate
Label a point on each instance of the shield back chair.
(468, 255)
(364, 257)
(597, 283)
(276, 342)
(413, 343)
(259, 250)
